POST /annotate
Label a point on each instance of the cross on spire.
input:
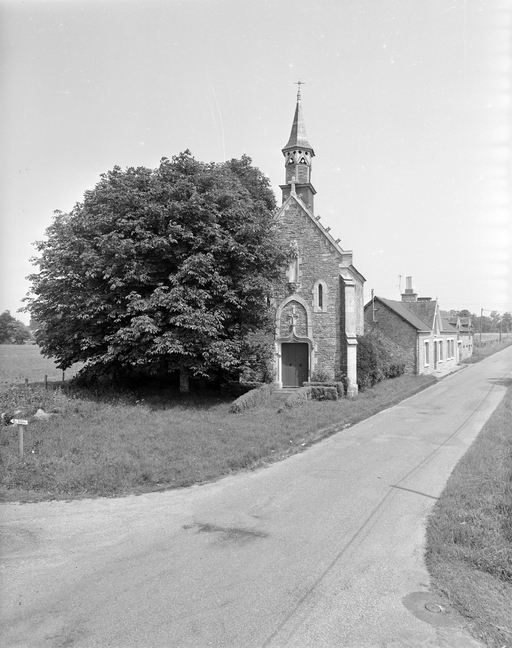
(299, 83)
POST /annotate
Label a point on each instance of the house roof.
(447, 326)
(420, 315)
(465, 323)
(406, 313)
(424, 310)
(462, 324)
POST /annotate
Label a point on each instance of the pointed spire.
(298, 137)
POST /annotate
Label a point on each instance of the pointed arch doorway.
(294, 363)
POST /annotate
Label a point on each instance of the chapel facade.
(319, 299)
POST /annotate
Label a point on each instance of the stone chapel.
(319, 300)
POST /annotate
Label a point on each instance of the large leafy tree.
(160, 270)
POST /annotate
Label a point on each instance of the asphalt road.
(324, 549)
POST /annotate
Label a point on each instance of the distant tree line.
(12, 330)
(492, 323)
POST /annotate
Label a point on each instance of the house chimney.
(409, 295)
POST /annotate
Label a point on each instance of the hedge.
(251, 398)
(324, 392)
(338, 386)
(374, 362)
(299, 397)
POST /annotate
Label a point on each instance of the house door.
(294, 360)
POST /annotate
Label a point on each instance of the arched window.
(320, 297)
(293, 263)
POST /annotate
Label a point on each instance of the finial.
(299, 83)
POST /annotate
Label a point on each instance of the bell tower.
(298, 154)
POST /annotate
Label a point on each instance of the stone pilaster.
(350, 333)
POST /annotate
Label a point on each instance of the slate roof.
(406, 313)
(462, 324)
(447, 327)
(424, 310)
(465, 324)
(419, 314)
(298, 137)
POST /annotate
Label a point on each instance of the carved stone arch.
(320, 296)
(304, 304)
(294, 334)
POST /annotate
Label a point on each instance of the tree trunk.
(184, 381)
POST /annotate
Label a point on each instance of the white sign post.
(20, 423)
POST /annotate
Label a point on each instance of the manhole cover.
(430, 608)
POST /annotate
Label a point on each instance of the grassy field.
(112, 444)
(20, 362)
(469, 533)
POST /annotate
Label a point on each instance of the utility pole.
(481, 318)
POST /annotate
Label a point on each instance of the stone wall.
(394, 328)
(318, 261)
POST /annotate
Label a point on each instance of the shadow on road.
(505, 382)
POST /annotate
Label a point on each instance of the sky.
(407, 104)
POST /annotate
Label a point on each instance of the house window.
(427, 354)
(320, 297)
(440, 351)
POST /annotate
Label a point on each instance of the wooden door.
(294, 360)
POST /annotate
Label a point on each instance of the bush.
(299, 397)
(320, 376)
(324, 392)
(338, 386)
(395, 369)
(374, 362)
(341, 377)
(251, 399)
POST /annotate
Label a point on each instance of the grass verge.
(484, 351)
(469, 533)
(114, 444)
